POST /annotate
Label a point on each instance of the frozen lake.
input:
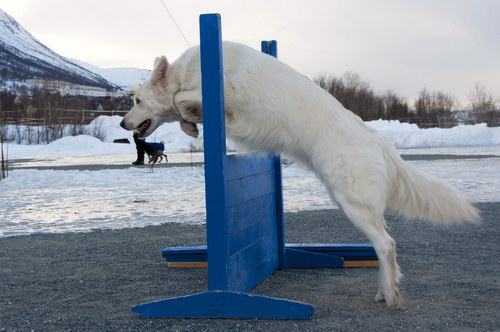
(58, 200)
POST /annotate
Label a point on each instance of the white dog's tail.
(415, 194)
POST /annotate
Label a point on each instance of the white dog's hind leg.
(373, 226)
(364, 205)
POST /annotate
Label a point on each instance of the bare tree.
(396, 108)
(433, 109)
(354, 94)
(483, 105)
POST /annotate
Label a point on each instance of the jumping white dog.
(270, 107)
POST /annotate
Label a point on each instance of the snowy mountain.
(124, 77)
(23, 57)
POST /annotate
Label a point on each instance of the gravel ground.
(89, 281)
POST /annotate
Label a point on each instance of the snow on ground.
(81, 200)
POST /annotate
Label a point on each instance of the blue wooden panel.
(239, 166)
(255, 231)
(262, 249)
(214, 149)
(244, 189)
(255, 209)
(254, 275)
(254, 263)
(225, 305)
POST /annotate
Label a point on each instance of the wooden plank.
(250, 187)
(347, 251)
(369, 263)
(187, 265)
(300, 259)
(241, 215)
(204, 265)
(262, 250)
(251, 265)
(350, 251)
(243, 165)
(251, 277)
(256, 230)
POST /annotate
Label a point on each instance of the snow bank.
(406, 135)
(403, 135)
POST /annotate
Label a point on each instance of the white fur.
(271, 107)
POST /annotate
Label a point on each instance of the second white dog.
(272, 108)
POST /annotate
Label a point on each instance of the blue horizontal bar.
(348, 251)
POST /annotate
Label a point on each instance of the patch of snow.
(407, 136)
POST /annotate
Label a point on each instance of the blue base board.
(224, 304)
(305, 255)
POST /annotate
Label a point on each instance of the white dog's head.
(154, 102)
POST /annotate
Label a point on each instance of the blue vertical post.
(271, 48)
(212, 77)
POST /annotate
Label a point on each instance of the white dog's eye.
(137, 101)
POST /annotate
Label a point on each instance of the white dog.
(270, 107)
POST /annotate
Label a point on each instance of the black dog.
(155, 152)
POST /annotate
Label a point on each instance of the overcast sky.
(446, 45)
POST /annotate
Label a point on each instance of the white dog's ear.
(160, 69)
(189, 128)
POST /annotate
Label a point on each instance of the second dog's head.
(154, 102)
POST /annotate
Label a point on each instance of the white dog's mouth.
(143, 127)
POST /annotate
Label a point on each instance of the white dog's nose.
(122, 124)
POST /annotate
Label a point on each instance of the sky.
(404, 46)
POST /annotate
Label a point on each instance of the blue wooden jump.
(245, 219)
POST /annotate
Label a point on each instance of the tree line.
(39, 98)
(40, 116)
(430, 109)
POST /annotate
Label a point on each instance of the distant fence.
(50, 116)
(41, 117)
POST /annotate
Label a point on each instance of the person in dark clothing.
(139, 142)
(140, 146)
